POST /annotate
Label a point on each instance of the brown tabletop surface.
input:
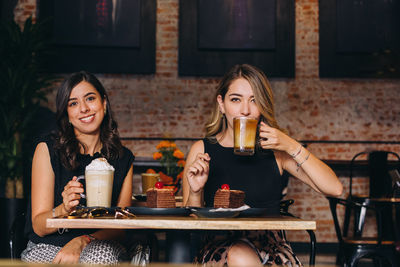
(187, 222)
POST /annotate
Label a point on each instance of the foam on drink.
(99, 177)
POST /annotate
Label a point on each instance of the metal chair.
(380, 185)
(17, 239)
(284, 210)
(352, 249)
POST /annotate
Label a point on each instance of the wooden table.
(178, 236)
(188, 223)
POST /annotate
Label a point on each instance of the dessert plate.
(211, 213)
(159, 211)
(140, 197)
(254, 212)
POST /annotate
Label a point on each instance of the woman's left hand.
(272, 138)
(71, 252)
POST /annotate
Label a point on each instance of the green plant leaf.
(24, 84)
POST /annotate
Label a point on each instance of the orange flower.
(150, 171)
(157, 155)
(172, 144)
(178, 154)
(163, 144)
(165, 178)
(181, 163)
(173, 187)
(180, 175)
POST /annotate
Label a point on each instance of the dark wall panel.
(215, 35)
(359, 39)
(102, 39)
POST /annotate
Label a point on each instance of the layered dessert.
(226, 198)
(159, 197)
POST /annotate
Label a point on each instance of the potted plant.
(23, 85)
(173, 161)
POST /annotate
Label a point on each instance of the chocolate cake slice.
(160, 198)
(225, 198)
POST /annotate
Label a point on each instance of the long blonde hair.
(262, 93)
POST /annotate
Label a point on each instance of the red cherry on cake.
(159, 185)
(225, 186)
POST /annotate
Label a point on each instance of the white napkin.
(244, 207)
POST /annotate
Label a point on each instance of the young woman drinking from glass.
(245, 92)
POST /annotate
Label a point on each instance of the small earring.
(105, 111)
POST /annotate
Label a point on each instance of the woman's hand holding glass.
(272, 138)
(71, 194)
(198, 172)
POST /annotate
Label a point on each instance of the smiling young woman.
(86, 131)
(86, 109)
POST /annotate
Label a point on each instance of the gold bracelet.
(299, 164)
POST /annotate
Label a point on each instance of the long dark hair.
(66, 142)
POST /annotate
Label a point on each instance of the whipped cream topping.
(99, 164)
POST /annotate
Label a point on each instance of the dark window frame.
(384, 63)
(101, 59)
(279, 62)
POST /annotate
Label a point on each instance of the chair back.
(333, 202)
(380, 184)
(333, 205)
(284, 207)
(17, 239)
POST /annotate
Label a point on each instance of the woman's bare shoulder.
(196, 148)
(198, 145)
(42, 148)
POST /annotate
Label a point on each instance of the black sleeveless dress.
(62, 177)
(259, 177)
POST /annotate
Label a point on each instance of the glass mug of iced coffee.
(244, 135)
(99, 178)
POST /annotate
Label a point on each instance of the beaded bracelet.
(298, 152)
(299, 164)
(90, 237)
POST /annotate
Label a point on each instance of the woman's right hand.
(71, 194)
(198, 172)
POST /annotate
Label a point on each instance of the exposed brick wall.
(310, 108)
